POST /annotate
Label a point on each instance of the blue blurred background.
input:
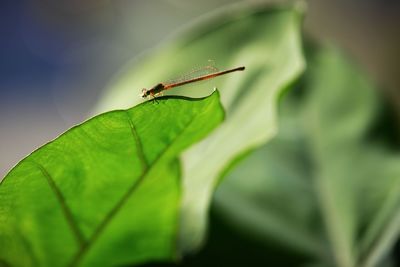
(57, 57)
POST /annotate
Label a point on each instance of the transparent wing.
(192, 74)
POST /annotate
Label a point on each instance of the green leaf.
(263, 39)
(323, 186)
(106, 192)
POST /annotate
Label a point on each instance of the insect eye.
(144, 92)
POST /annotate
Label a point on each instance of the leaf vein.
(75, 261)
(64, 207)
(139, 145)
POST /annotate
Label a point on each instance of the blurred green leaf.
(323, 187)
(263, 39)
(106, 192)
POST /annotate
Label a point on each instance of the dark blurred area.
(57, 57)
(228, 247)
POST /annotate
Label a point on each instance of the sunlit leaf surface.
(106, 192)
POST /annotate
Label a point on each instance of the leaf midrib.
(87, 245)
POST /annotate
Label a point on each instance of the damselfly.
(210, 73)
